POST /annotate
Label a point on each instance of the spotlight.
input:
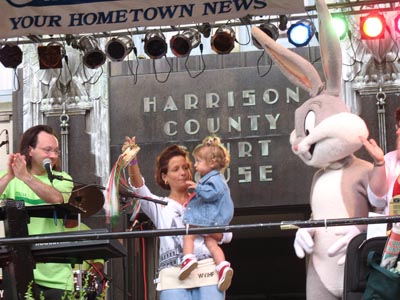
(340, 26)
(10, 56)
(372, 27)
(205, 29)
(270, 29)
(93, 57)
(118, 48)
(183, 43)
(223, 40)
(283, 19)
(154, 44)
(301, 33)
(397, 23)
(50, 56)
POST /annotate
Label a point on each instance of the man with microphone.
(32, 177)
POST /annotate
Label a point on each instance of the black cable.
(89, 80)
(134, 74)
(169, 72)
(258, 65)
(248, 36)
(202, 61)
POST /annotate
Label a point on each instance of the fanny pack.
(203, 275)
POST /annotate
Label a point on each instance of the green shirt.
(51, 275)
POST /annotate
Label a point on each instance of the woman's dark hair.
(30, 138)
(163, 160)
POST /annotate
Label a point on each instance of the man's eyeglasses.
(49, 150)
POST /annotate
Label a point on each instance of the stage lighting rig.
(10, 56)
(223, 40)
(300, 33)
(93, 56)
(270, 29)
(154, 44)
(183, 43)
(372, 26)
(118, 48)
(51, 55)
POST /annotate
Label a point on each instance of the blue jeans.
(209, 292)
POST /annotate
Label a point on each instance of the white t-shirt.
(392, 165)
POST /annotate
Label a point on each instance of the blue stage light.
(301, 33)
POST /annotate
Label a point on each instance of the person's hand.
(10, 171)
(374, 150)
(191, 185)
(19, 166)
(339, 248)
(128, 141)
(303, 242)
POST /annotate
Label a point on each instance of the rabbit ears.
(300, 71)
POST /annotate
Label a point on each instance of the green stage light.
(341, 26)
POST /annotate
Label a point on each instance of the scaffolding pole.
(284, 225)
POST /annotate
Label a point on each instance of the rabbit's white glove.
(303, 242)
(340, 246)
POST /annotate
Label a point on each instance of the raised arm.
(18, 168)
(7, 177)
(378, 182)
(135, 175)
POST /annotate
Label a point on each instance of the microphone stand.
(134, 195)
(59, 177)
(129, 194)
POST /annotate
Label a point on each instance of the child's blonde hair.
(215, 153)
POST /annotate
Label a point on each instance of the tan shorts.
(203, 275)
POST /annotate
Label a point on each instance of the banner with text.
(24, 17)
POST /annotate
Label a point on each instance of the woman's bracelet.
(133, 162)
(379, 163)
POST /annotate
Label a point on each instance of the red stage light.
(372, 26)
(397, 24)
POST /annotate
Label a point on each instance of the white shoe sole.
(185, 272)
(225, 282)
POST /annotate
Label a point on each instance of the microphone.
(47, 165)
(7, 143)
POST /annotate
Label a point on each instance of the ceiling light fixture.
(154, 44)
(93, 56)
(118, 48)
(183, 43)
(223, 40)
(10, 56)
